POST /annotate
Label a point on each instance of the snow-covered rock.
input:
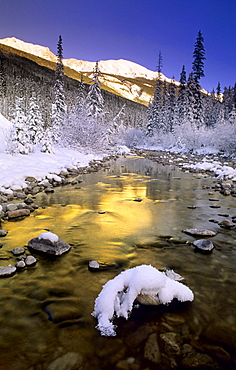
(49, 243)
(118, 295)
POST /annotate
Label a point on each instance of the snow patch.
(49, 236)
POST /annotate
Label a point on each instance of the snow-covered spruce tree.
(19, 137)
(95, 101)
(209, 107)
(45, 137)
(116, 129)
(34, 121)
(154, 114)
(182, 98)
(2, 87)
(199, 57)
(81, 111)
(195, 109)
(164, 108)
(171, 118)
(227, 102)
(58, 111)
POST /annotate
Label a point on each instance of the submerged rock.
(97, 266)
(226, 224)
(49, 243)
(203, 245)
(18, 250)
(198, 232)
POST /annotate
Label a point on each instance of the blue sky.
(135, 30)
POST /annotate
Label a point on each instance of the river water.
(45, 311)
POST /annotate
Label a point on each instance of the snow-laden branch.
(118, 295)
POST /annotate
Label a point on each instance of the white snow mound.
(49, 236)
(118, 295)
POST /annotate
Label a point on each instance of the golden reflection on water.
(129, 233)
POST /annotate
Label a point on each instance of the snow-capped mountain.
(122, 77)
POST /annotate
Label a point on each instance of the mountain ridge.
(121, 77)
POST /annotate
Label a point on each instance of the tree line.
(173, 106)
(47, 111)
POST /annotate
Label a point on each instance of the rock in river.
(7, 271)
(198, 232)
(49, 243)
(203, 245)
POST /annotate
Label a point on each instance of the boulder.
(199, 232)
(49, 243)
(203, 245)
(18, 213)
(7, 271)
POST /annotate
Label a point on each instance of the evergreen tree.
(227, 102)
(155, 109)
(81, 102)
(234, 95)
(34, 120)
(20, 138)
(218, 89)
(195, 108)
(58, 114)
(171, 107)
(182, 97)
(2, 87)
(95, 102)
(199, 57)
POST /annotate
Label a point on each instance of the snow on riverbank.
(15, 168)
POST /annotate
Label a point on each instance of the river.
(133, 212)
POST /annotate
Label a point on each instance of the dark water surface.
(45, 311)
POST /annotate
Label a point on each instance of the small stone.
(49, 190)
(101, 212)
(171, 345)
(20, 264)
(3, 232)
(30, 179)
(69, 361)
(12, 207)
(138, 200)
(29, 201)
(95, 266)
(30, 261)
(152, 350)
(18, 250)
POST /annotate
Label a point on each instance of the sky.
(135, 30)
